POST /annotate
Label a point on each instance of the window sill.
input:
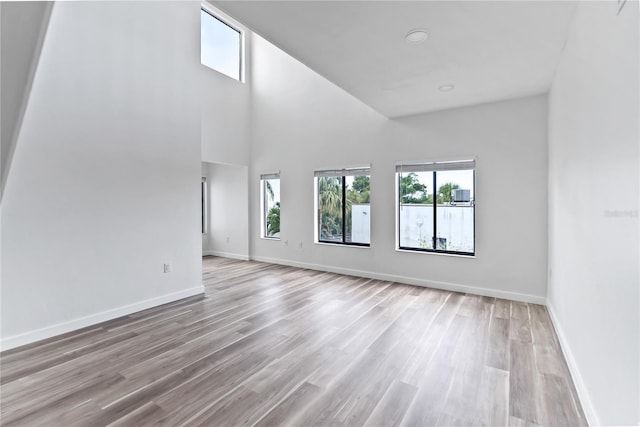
(220, 73)
(276, 239)
(435, 253)
(342, 245)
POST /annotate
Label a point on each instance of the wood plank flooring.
(271, 345)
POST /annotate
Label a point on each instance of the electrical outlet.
(286, 243)
(300, 245)
(227, 239)
(167, 268)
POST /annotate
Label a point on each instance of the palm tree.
(330, 206)
(330, 195)
(269, 189)
(273, 220)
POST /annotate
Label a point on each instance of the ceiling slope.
(22, 29)
(489, 50)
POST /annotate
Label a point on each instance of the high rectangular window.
(436, 207)
(343, 209)
(270, 212)
(220, 45)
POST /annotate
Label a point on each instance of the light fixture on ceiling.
(416, 36)
(446, 88)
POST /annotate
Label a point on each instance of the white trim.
(223, 16)
(455, 287)
(441, 159)
(343, 245)
(270, 175)
(92, 319)
(409, 251)
(583, 393)
(345, 171)
(241, 257)
(436, 166)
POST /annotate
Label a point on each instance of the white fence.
(455, 226)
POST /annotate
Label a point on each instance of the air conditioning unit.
(461, 195)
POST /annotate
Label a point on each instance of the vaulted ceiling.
(488, 50)
(23, 26)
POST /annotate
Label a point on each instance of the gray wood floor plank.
(147, 414)
(426, 407)
(492, 406)
(393, 406)
(559, 405)
(519, 422)
(524, 392)
(274, 345)
(286, 411)
(502, 308)
(497, 353)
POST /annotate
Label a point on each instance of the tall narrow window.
(203, 205)
(343, 210)
(220, 45)
(270, 195)
(436, 207)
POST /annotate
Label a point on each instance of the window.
(203, 205)
(343, 214)
(270, 195)
(220, 45)
(441, 220)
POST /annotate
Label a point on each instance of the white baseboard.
(583, 393)
(241, 257)
(410, 281)
(82, 322)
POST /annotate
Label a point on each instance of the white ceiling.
(490, 50)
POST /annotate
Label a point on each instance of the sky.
(220, 46)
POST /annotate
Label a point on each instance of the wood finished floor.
(271, 345)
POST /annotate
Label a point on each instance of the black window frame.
(434, 168)
(365, 171)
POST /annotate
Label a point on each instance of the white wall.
(302, 122)
(226, 107)
(593, 210)
(228, 233)
(104, 186)
(509, 142)
(226, 111)
(225, 117)
(298, 120)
